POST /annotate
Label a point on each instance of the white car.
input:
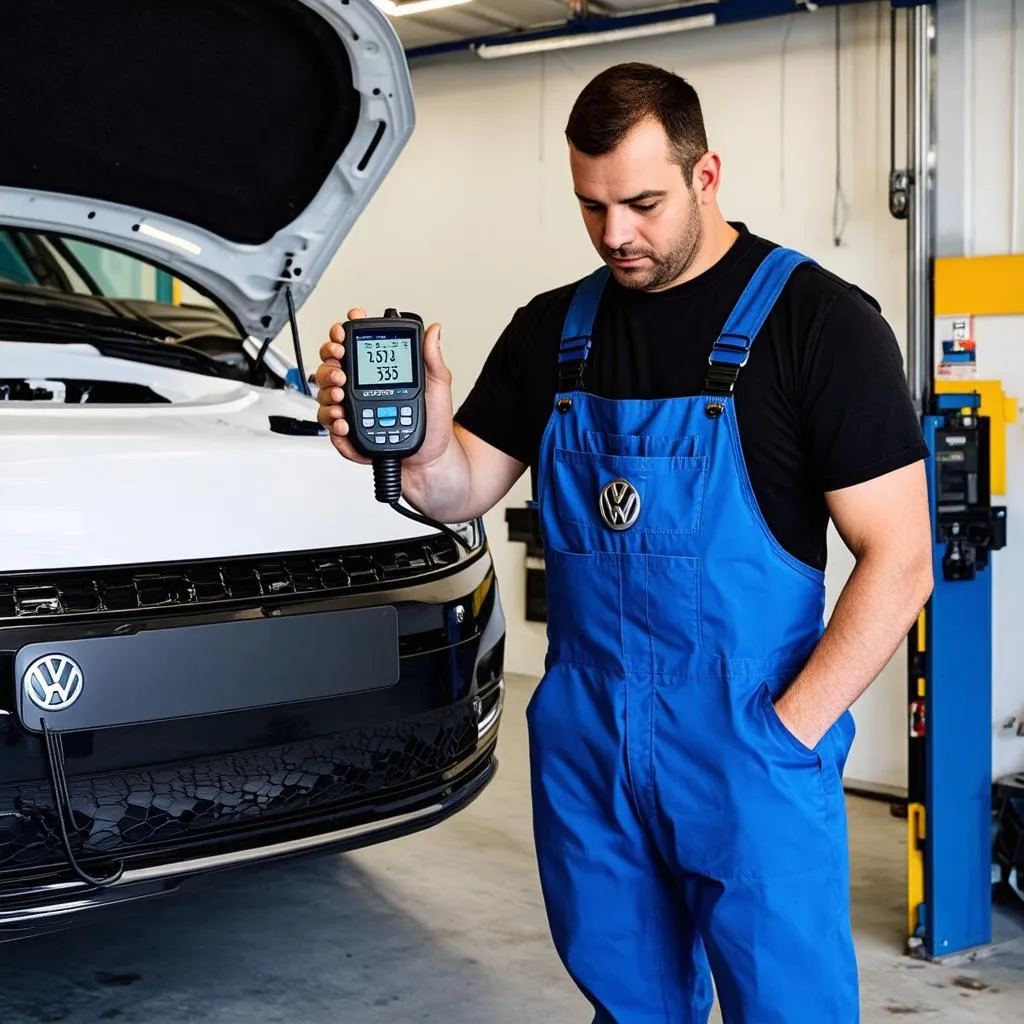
(216, 646)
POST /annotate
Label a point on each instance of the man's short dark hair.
(618, 99)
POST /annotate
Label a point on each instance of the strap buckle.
(570, 374)
(724, 371)
(725, 346)
(721, 377)
(732, 344)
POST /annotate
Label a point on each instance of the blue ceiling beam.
(725, 12)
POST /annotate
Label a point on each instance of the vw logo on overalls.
(619, 505)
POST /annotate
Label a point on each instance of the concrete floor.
(446, 926)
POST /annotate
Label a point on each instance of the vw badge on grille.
(620, 505)
(53, 682)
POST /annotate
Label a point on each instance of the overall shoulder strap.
(732, 349)
(579, 326)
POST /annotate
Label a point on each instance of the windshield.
(50, 273)
(69, 265)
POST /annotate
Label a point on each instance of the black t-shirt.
(822, 403)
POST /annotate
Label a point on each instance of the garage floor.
(446, 926)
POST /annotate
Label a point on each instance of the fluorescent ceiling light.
(395, 10)
(612, 35)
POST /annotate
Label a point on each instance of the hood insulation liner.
(227, 114)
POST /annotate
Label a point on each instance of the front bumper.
(171, 797)
(37, 908)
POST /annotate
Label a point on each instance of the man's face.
(641, 213)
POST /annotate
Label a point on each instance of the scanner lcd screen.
(384, 360)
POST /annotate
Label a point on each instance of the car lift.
(950, 793)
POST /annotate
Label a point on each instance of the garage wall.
(479, 216)
(981, 156)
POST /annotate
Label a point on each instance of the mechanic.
(694, 414)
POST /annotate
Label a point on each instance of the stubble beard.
(663, 269)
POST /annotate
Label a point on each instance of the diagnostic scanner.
(384, 393)
(385, 401)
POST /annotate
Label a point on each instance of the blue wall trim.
(726, 12)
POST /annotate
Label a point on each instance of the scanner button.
(385, 423)
(387, 410)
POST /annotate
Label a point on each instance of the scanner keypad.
(390, 425)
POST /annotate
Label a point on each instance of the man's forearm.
(466, 481)
(443, 488)
(880, 602)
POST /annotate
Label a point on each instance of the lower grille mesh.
(131, 812)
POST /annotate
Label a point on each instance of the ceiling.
(493, 17)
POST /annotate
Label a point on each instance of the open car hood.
(232, 142)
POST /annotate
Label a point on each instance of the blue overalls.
(679, 825)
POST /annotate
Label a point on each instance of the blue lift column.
(950, 813)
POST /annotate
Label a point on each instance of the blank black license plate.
(180, 672)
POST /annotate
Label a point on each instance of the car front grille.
(44, 595)
(144, 811)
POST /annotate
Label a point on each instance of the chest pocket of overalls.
(622, 486)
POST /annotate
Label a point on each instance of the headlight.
(472, 533)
